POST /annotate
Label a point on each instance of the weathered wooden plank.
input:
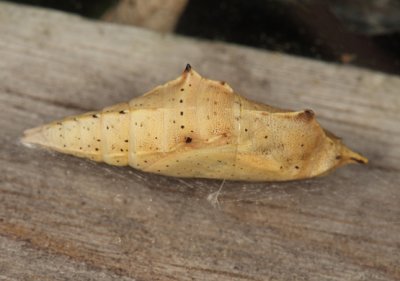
(156, 15)
(19, 261)
(119, 221)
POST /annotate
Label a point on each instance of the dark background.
(359, 32)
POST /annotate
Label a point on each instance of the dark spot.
(215, 102)
(309, 112)
(190, 85)
(108, 128)
(302, 145)
(80, 147)
(338, 157)
(155, 138)
(281, 167)
(182, 126)
(181, 101)
(167, 166)
(307, 115)
(59, 123)
(222, 83)
(173, 121)
(95, 116)
(145, 161)
(121, 150)
(182, 89)
(126, 140)
(188, 139)
(181, 113)
(96, 149)
(98, 140)
(265, 137)
(297, 167)
(188, 68)
(65, 145)
(122, 112)
(245, 130)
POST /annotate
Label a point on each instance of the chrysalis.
(195, 127)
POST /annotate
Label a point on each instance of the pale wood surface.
(157, 15)
(63, 218)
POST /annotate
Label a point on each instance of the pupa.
(194, 127)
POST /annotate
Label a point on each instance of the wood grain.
(63, 218)
(157, 15)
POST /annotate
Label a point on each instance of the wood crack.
(66, 105)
